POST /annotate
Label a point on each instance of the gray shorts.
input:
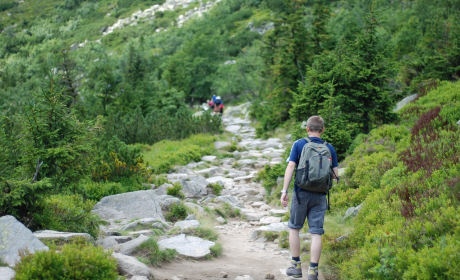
(312, 207)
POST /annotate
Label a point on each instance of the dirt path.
(240, 257)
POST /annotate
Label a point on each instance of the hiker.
(210, 103)
(218, 105)
(308, 204)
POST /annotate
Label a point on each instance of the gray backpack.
(314, 171)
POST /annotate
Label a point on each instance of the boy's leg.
(316, 247)
(294, 242)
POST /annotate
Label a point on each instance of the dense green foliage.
(407, 176)
(152, 254)
(71, 262)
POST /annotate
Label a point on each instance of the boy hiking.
(316, 163)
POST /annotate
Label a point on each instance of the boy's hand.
(284, 199)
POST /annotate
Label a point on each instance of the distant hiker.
(210, 103)
(218, 105)
(316, 167)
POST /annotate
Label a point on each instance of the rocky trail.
(133, 217)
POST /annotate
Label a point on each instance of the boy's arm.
(287, 180)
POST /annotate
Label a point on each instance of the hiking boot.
(295, 270)
(313, 273)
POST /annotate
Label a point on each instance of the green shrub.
(227, 211)
(73, 261)
(202, 232)
(269, 176)
(175, 190)
(283, 241)
(68, 213)
(216, 250)
(150, 250)
(216, 187)
(2, 263)
(176, 212)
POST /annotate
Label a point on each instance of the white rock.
(137, 277)
(194, 206)
(270, 220)
(220, 144)
(128, 247)
(220, 220)
(244, 277)
(187, 224)
(233, 128)
(278, 212)
(276, 227)
(209, 158)
(6, 273)
(188, 246)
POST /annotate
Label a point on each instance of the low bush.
(216, 250)
(68, 213)
(216, 188)
(150, 250)
(176, 212)
(269, 175)
(71, 262)
(175, 190)
(227, 211)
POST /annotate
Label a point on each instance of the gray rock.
(458, 123)
(288, 137)
(128, 247)
(404, 102)
(137, 277)
(270, 220)
(210, 171)
(246, 161)
(230, 200)
(166, 201)
(303, 125)
(144, 221)
(15, 236)
(187, 224)
(352, 212)
(131, 266)
(132, 205)
(278, 212)
(58, 235)
(188, 246)
(280, 180)
(6, 273)
(107, 242)
(194, 206)
(190, 217)
(163, 189)
(255, 216)
(220, 220)
(195, 186)
(219, 144)
(233, 128)
(343, 237)
(276, 227)
(228, 161)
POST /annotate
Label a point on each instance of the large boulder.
(14, 236)
(130, 266)
(188, 246)
(6, 273)
(52, 235)
(132, 205)
(195, 186)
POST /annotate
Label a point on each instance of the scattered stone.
(352, 212)
(288, 137)
(108, 242)
(276, 227)
(228, 161)
(175, 278)
(195, 186)
(261, 240)
(223, 274)
(142, 232)
(246, 161)
(144, 221)
(278, 212)
(131, 266)
(404, 102)
(194, 206)
(61, 236)
(209, 158)
(15, 236)
(230, 200)
(343, 237)
(128, 247)
(265, 208)
(187, 224)
(220, 220)
(132, 205)
(257, 204)
(6, 273)
(270, 220)
(190, 217)
(255, 216)
(188, 246)
(233, 128)
(210, 171)
(269, 276)
(163, 189)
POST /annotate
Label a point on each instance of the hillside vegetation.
(76, 116)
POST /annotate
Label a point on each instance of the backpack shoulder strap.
(307, 139)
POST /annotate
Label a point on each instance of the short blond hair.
(315, 124)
